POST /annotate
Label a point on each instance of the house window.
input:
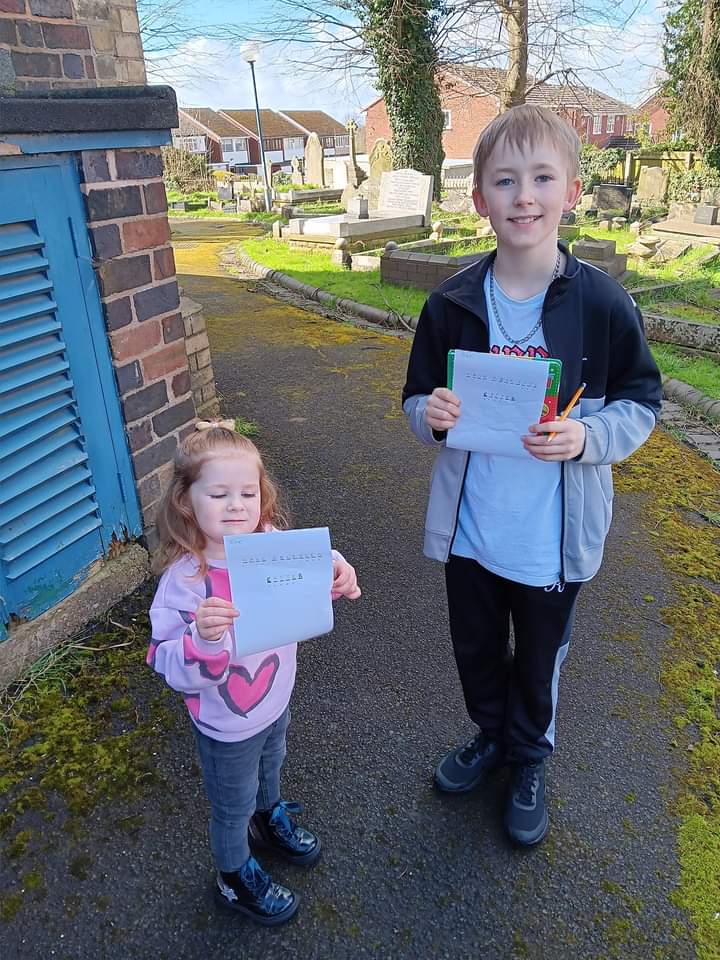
(190, 144)
(234, 145)
(597, 123)
(273, 143)
(342, 141)
(611, 123)
(447, 120)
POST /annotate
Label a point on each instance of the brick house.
(333, 135)
(469, 98)
(101, 370)
(217, 136)
(655, 114)
(231, 137)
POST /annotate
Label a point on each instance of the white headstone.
(406, 191)
(314, 171)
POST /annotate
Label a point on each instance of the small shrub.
(596, 164)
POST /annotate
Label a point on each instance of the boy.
(518, 536)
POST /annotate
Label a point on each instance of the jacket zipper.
(562, 463)
(562, 522)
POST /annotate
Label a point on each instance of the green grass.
(327, 209)
(202, 214)
(314, 267)
(700, 372)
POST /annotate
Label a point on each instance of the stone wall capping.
(93, 110)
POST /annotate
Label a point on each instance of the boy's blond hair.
(526, 126)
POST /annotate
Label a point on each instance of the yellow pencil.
(566, 412)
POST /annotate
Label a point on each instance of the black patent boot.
(251, 892)
(274, 830)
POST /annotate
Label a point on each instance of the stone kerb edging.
(690, 397)
(672, 389)
(362, 310)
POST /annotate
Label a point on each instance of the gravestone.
(296, 177)
(358, 207)
(314, 172)
(380, 161)
(406, 192)
(225, 190)
(609, 196)
(671, 250)
(601, 254)
(347, 196)
(681, 210)
(706, 214)
(653, 184)
(460, 199)
(356, 175)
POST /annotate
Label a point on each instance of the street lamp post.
(251, 54)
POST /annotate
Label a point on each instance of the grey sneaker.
(526, 816)
(465, 767)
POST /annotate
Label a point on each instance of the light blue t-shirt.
(510, 517)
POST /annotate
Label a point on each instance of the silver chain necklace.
(496, 312)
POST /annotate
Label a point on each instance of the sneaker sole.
(307, 860)
(273, 921)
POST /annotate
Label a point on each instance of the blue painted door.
(65, 474)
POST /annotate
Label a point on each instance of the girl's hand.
(568, 444)
(345, 580)
(442, 409)
(214, 616)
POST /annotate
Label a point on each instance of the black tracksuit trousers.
(511, 699)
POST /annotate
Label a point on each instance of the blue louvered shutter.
(49, 515)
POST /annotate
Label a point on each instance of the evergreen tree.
(400, 36)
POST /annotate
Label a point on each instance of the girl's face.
(226, 498)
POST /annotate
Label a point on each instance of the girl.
(239, 707)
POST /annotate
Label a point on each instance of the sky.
(211, 72)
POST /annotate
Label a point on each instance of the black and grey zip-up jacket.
(595, 328)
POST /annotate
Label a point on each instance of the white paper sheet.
(281, 583)
(500, 396)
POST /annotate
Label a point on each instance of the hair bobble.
(214, 424)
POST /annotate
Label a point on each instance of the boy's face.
(525, 192)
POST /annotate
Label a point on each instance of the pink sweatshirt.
(228, 698)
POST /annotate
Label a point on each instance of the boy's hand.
(214, 616)
(568, 444)
(345, 580)
(442, 409)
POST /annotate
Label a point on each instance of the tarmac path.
(406, 873)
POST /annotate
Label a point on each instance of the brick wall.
(51, 44)
(129, 231)
(421, 270)
(197, 347)
(469, 115)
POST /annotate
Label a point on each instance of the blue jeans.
(240, 777)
